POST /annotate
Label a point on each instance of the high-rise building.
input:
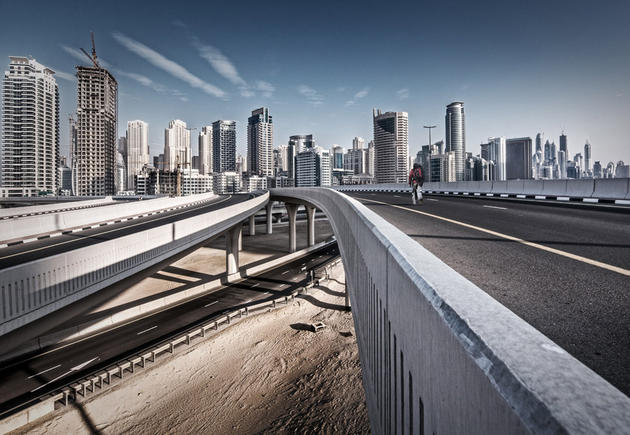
(205, 150)
(301, 142)
(518, 158)
(564, 145)
(358, 143)
(597, 169)
(137, 150)
(337, 157)
(30, 129)
(312, 168)
(587, 157)
(456, 136)
(371, 164)
(357, 156)
(95, 160)
(391, 146)
(562, 164)
(177, 151)
(260, 143)
(224, 146)
(496, 154)
(539, 139)
(622, 170)
(443, 167)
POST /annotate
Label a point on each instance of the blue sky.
(519, 67)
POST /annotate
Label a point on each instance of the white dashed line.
(42, 372)
(494, 206)
(211, 303)
(147, 330)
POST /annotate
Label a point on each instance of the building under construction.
(94, 158)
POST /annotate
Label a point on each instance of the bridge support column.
(232, 238)
(292, 212)
(252, 225)
(310, 214)
(347, 298)
(269, 219)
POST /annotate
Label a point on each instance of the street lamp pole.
(429, 127)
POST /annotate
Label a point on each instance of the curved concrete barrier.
(47, 208)
(31, 290)
(11, 229)
(439, 352)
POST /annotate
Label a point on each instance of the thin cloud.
(403, 93)
(65, 76)
(362, 93)
(349, 103)
(313, 97)
(173, 68)
(179, 23)
(143, 80)
(226, 69)
(80, 56)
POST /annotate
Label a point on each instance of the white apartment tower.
(30, 133)
(223, 146)
(137, 149)
(177, 146)
(260, 143)
(205, 150)
(94, 159)
(391, 146)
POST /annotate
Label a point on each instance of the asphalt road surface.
(565, 271)
(24, 252)
(29, 378)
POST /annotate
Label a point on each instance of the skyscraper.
(539, 142)
(97, 123)
(456, 136)
(356, 156)
(260, 143)
(587, 157)
(391, 146)
(370, 165)
(205, 150)
(301, 142)
(564, 145)
(337, 157)
(518, 158)
(30, 129)
(177, 152)
(496, 154)
(137, 150)
(224, 146)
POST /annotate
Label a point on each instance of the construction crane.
(93, 58)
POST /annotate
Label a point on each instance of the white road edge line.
(494, 206)
(211, 303)
(42, 372)
(596, 263)
(147, 330)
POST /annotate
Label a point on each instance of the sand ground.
(263, 374)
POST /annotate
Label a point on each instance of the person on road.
(416, 180)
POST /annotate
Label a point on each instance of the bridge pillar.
(232, 239)
(310, 214)
(252, 225)
(292, 212)
(269, 218)
(347, 298)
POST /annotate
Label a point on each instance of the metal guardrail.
(116, 372)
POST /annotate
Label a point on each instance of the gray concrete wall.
(34, 289)
(438, 353)
(15, 228)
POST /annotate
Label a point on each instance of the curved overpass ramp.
(439, 355)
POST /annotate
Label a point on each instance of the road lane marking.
(47, 370)
(494, 206)
(285, 272)
(255, 285)
(147, 330)
(431, 199)
(73, 369)
(211, 303)
(592, 262)
(105, 232)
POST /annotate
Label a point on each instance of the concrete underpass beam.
(232, 239)
(310, 214)
(269, 218)
(292, 212)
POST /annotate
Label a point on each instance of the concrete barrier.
(580, 188)
(499, 187)
(612, 188)
(12, 229)
(554, 187)
(47, 208)
(515, 187)
(31, 290)
(439, 355)
(532, 187)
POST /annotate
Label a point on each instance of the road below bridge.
(563, 270)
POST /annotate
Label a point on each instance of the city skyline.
(173, 68)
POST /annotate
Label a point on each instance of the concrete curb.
(129, 315)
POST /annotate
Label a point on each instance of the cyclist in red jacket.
(416, 180)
